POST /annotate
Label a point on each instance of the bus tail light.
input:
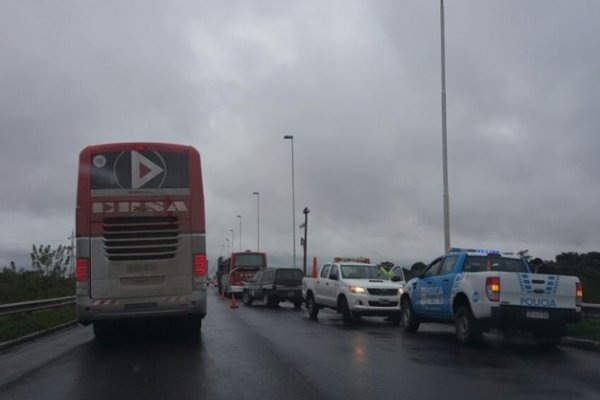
(82, 268)
(200, 264)
(492, 288)
(578, 294)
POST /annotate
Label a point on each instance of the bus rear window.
(139, 170)
(250, 260)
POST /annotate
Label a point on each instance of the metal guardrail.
(35, 305)
(589, 310)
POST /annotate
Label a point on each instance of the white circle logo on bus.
(99, 161)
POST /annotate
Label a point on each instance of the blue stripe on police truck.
(526, 284)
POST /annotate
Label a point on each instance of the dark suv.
(274, 285)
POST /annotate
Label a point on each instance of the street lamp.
(228, 251)
(240, 240)
(291, 138)
(257, 194)
(232, 241)
(446, 196)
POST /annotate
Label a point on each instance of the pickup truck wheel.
(345, 311)
(466, 326)
(246, 298)
(408, 319)
(311, 307)
(267, 300)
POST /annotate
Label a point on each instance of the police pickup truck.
(479, 290)
(353, 288)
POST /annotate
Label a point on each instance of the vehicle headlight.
(401, 291)
(357, 289)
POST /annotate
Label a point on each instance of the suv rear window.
(289, 275)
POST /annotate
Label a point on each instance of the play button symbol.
(143, 170)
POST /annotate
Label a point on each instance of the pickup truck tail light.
(578, 294)
(492, 288)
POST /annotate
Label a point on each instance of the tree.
(51, 262)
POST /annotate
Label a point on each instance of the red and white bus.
(141, 238)
(238, 268)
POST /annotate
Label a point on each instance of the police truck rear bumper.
(525, 317)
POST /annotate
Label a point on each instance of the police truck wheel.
(466, 326)
(311, 307)
(548, 337)
(547, 341)
(408, 319)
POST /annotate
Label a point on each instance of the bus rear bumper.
(91, 310)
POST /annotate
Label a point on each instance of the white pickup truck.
(353, 289)
(479, 290)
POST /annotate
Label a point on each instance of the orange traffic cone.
(234, 303)
(314, 268)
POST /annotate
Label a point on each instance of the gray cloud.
(356, 83)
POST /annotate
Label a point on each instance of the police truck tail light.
(82, 269)
(492, 288)
(199, 264)
(578, 293)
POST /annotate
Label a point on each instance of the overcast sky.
(358, 84)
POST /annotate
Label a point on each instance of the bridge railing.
(35, 305)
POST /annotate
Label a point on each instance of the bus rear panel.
(140, 227)
(237, 269)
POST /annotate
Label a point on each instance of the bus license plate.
(533, 314)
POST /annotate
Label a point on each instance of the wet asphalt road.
(255, 352)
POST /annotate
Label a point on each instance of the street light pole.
(291, 137)
(232, 241)
(240, 239)
(446, 195)
(305, 239)
(228, 251)
(257, 194)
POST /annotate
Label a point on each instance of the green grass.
(586, 329)
(14, 326)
